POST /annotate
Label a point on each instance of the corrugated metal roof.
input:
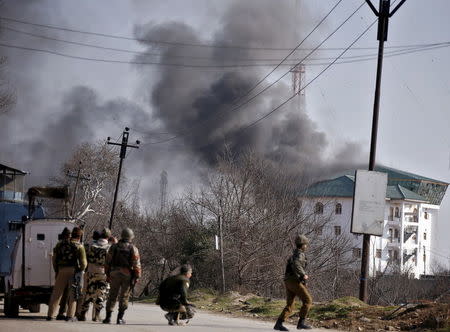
(400, 192)
(9, 168)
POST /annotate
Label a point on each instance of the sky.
(62, 101)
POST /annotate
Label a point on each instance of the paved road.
(140, 317)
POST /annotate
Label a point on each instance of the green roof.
(343, 187)
(398, 175)
(399, 192)
(424, 188)
(393, 175)
(339, 187)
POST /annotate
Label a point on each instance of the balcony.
(393, 241)
(411, 217)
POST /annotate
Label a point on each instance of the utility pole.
(123, 150)
(221, 252)
(383, 15)
(78, 177)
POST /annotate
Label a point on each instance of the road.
(139, 317)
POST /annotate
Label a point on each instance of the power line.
(99, 34)
(206, 67)
(242, 129)
(124, 50)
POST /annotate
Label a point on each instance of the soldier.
(295, 281)
(96, 276)
(80, 300)
(173, 297)
(123, 269)
(65, 235)
(69, 258)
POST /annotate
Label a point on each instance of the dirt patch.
(347, 313)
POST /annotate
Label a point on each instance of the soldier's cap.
(301, 240)
(185, 268)
(77, 232)
(105, 233)
(65, 232)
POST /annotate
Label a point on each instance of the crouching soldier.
(96, 276)
(123, 269)
(295, 281)
(173, 297)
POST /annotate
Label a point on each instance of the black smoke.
(199, 105)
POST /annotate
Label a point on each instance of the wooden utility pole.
(78, 177)
(123, 151)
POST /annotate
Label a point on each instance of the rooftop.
(401, 185)
(5, 168)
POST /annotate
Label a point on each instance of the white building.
(412, 205)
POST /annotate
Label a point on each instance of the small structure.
(411, 214)
(12, 207)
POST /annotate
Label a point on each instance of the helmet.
(300, 240)
(77, 232)
(185, 269)
(127, 234)
(105, 233)
(65, 232)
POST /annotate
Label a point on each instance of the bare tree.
(93, 197)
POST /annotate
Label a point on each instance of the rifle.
(77, 284)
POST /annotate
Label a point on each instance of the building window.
(426, 215)
(378, 253)
(395, 254)
(424, 236)
(357, 252)
(337, 230)
(391, 214)
(338, 209)
(396, 233)
(318, 208)
(397, 212)
(390, 254)
(390, 235)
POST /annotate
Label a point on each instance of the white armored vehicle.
(31, 277)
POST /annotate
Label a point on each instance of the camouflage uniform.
(123, 268)
(295, 284)
(69, 257)
(96, 278)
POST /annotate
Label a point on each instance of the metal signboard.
(369, 198)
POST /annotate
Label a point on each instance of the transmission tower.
(163, 189)
(298, 81)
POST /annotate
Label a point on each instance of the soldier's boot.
(302, 326)
(170, 318)
(96, 315)
(82, 316)
(107, 319)
(279, 326)
(120, 319)
(176, 318)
